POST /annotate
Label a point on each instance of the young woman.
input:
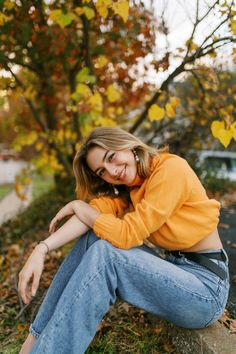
(127, 193)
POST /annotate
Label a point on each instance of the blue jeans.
(95, 272)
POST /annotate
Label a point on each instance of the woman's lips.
(123, 174)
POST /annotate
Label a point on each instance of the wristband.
(44, 243)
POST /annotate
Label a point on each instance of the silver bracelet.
(44, 243)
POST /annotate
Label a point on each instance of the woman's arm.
(30, 274)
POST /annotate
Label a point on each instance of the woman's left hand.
(67, 210)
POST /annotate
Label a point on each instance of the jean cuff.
(33, 332)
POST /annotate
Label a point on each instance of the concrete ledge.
(214, 339)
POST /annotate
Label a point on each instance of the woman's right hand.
(30, 274)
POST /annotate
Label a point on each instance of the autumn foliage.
(74, 65)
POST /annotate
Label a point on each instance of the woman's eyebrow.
(104, 157)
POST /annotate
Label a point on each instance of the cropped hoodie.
(170, 209)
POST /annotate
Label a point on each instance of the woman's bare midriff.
(211, 242)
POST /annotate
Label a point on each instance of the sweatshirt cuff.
(106, 227)
(103, 225)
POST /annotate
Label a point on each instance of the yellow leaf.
(1, 260)
(39, 146)
(233, 26)
(119, 110)
(77, 146)
(113, 94)
(68, 134)
(63, 19)
(96, 102)
(147, 125)
(174, 101)
(102, 7)
(155, 112)
(101, 62)
(121, 8)
(170, 110)
(192, 45)
(233, 130)
(55, 15)
(105, 122)
(8, 4)
(21, 327)
(3, 19)
(85, 1)
(59, 136)
(86, 129)
(31, 138)
(30, 93)
(79, 11)
(83, 90)
(89, 13)
(218, 131)
(111, 111)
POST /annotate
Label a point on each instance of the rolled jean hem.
(33, 332)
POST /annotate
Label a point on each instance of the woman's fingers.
(53, 224)
(23, 287)
(35, 284)
(67, 210)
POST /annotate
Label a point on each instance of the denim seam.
(167, 280)
(78, 293)
(66, 311)
(220, 283)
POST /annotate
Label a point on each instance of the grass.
(125, 332)
(5, 189)
(125, 329)
(41, 185)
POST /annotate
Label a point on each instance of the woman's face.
(115, 167)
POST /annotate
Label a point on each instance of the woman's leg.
(140, 278)
(60, 281)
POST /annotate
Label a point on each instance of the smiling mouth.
(122, 174)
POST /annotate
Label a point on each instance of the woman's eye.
(111, 157)
(100, 173)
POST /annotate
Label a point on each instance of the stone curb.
(214, 339)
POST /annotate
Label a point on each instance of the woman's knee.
(101, 249)
(91, 238)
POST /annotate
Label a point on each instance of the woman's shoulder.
(165, 160)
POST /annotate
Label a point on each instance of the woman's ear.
(136, 155)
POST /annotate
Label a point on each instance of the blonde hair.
(88, 184)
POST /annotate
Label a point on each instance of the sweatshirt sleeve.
(108, 205)
(167, 189)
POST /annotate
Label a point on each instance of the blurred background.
(163, 70)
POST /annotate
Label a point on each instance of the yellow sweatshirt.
(170, 209)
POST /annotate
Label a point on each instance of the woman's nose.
(112, 170)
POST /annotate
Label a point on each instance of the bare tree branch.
(193, 72)
(194, 29)
(209, 10)
(217, 27)
(200, 52)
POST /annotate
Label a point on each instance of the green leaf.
(63, 19)
(84, 118)
(98, 50)
(83, 76)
